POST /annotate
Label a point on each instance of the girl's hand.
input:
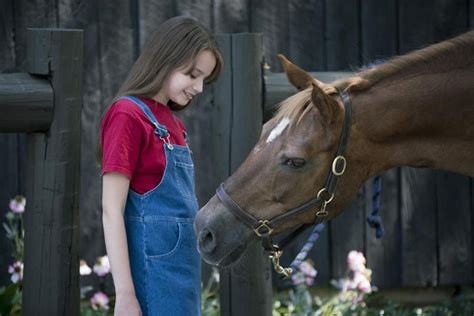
(127, 305)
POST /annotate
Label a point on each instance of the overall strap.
(159, 129)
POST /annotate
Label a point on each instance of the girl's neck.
(159, 97)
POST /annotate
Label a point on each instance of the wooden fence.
(46, 104)
(318, 35)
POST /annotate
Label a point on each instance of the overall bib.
(164, 261)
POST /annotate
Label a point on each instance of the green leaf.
(9, 298)
(10, 234)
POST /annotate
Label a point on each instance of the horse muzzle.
(221, 238)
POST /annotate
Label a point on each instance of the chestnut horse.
(415, 110)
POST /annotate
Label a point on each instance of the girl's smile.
(184, 83)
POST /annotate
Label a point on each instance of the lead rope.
(374, 220)
(303, 254)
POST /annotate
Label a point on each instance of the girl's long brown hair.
(175, 44)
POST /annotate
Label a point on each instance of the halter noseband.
(264, 228)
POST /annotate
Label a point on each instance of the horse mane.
(453, 53)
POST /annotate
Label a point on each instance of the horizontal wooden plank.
(26, 103)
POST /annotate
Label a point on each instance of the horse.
(328, 139)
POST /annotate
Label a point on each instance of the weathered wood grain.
(26, 103)
(418, 225)
(248, 283)
(342, 34)
(306, 34)
(52, 217)
(271, 19)
(454, 229)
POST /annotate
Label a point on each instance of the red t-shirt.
(130, 145)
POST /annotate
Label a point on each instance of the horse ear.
(327, 106)
(297, 76)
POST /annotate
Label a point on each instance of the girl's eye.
(295, 163)
(192, 76)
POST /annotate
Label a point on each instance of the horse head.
(288, 167)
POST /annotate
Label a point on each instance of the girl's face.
(184, 84)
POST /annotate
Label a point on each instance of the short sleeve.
(122, 136)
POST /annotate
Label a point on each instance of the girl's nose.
(198, 86)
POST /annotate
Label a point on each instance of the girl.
(148, 195)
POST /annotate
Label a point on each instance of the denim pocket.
(162, 238)
(184, 176)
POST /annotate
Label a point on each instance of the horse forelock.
(295, 107)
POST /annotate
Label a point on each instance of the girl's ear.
(325, 104)
(297, 76)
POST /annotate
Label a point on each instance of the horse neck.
(419, 118)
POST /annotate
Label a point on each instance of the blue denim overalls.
(164, 260)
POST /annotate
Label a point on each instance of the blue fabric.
(160, 129)
(162, 246)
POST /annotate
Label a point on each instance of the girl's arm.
(114, 195)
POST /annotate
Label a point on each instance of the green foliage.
(210, 303)
(10, 300)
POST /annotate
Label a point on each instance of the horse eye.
(295, 162)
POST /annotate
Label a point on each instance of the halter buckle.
(265, 225)
(335, 165)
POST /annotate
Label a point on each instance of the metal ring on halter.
(334, 165)
(325, 201)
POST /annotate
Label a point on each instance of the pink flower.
(360, 282)
(17, 205)
(356, 261)
(102, 266)
(364, 286)
(100, 301)
(84, 269)
(16, 270)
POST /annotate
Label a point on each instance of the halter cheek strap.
(264, 228)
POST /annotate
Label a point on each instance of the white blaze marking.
(278, 130)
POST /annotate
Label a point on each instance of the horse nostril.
(207, 241)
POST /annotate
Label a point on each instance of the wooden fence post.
(51, 276)
(245, 289)
(223, 127)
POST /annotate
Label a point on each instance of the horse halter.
(264, 228)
